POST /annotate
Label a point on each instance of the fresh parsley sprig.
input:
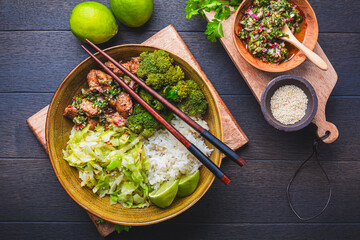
(222, 10)
(100, 221)
(121, 228)
(118, 228)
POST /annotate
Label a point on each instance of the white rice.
(169, 159)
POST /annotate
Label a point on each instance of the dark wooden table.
(38, 51)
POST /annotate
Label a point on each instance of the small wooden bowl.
(304, 85)
(308, 35)
(58, 130)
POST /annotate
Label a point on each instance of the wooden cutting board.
(322, 81)
(168, 39)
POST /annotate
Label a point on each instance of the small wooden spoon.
(308, 53)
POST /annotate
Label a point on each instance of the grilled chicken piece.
(124, 104)
(131, 65)
(89, 109)
(97, 78)
(134, 64)
(116, 118)
(92, 79)
(70, 111)
(115, 69)
(112, 103)
(92, 123)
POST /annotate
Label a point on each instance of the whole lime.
(132, 13)
(94, 21)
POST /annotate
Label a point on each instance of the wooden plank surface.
(248, 199)
(84, 231)
(33, 15)
(38, 51)
(80, 231)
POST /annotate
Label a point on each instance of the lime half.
(165, 194)
(188, 184)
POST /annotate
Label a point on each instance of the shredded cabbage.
(111, 162)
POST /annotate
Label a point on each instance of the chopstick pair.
(207, 135)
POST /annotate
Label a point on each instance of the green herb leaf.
(120, 228)
(214, 30)
(222, 10)
(192, 8)
(170, 93)
(100, 221)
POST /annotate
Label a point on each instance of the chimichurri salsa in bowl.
(262, 27)
(257, 30)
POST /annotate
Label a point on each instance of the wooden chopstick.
(203, 132)
(192, 148)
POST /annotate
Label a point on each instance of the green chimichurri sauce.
(262, 28)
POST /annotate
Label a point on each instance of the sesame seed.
(288, 104)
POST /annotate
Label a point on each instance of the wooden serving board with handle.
(168, 39)
(322, 81)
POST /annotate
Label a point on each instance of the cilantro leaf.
(222, 10)
(100, 221)
(192, 8)
(120, 228)
(214, 30)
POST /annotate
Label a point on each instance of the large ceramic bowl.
(308, 36)
(58, 130)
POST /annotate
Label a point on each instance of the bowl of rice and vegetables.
(112, 156)
(258, 26)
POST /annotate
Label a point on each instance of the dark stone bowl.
(304, 85)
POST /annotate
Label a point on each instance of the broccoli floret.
(138, 109)
(173, 75)
(156, 104)
(159, 80)
(155, 80)
(191, 84)
(142, 122)
(181, 90)
(157, 69)
(194, 104)
(148, 132)
(153, 62)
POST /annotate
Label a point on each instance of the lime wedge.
(165, 194)
(188, 184)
